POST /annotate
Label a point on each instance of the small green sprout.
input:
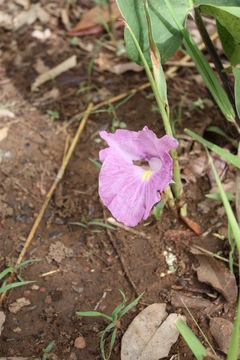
(4, 286)
(54, 115)
(47, 354)
(114, 322)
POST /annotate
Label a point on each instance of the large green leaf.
(228, 21)
(217, 2)
(165, 33)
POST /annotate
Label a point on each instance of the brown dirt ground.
(30, 157)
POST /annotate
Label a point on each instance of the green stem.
(178, 189)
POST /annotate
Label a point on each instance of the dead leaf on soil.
(2, 321)
(24, 3)
(108, 62)
(6, 113)
(6, 21)
(30, 16)
(221, 329)
(216, 274)
(16, 306)
(150, 335)
(92, 21)
(3, 133)
(54, 72)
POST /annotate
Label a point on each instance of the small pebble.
(17, 330)
(35, 287)
(42, 289)
(80, 343)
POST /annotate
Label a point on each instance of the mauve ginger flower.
(136, 167)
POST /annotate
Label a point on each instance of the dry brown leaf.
(216, 274)
(2, 321)
(56, 71)
(151, 334)
(92, 21)
(221, 329)
(108, 62)
(3, 133)
(16, 306)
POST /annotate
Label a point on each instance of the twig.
(112, 221)
(50, 273)
(171, 72)
(58, 178)
(121, 259)
(211, 254)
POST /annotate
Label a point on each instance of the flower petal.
(123, 143)
(149, 145)
(122, 189)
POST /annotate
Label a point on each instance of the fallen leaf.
(92, 21)
(221, 329)
(3, 133)
(6, 113)
(16, 306)
(216, 274)
(2, 321)
(108, 62)
(24, 3)
(30, 16)
(54, 72)
(192, 302)
(150, 335)
(42, 35)
(6, 21)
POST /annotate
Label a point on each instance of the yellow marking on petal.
(146, 175)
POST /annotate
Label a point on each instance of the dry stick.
(51, 191)
(121, 259)
(169, 73)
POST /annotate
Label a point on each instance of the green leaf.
(102, 224)
(97, 163)
(5, 272)
(5, 287)
(166, 34)
(236, 72)
(234, 343)
(130, 306)
(192, 341)
(233, 159)
(217, 196)
(119, 307)
(92, 314)
(49, 347)
(113, 338)
(204, 68)
(228, 27)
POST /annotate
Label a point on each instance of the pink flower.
(135, 168)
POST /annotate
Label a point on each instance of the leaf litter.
(150, 335)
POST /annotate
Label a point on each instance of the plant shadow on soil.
(87, 264)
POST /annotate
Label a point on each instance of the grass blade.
(234, 343)
(233, 159)
(191, 340)
(130, 306)
(230, 215)
(102, 224)
(93, 313)
(7, 287)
